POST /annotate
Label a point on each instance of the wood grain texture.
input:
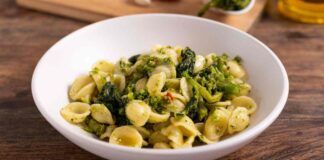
(24, 134)
(95, 10)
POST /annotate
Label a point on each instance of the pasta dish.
(167, 98)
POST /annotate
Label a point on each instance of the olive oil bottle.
(308, 11)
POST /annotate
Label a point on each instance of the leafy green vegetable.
(204, 92)
(156, 103)
(191, 109)
(202, 112)
(238, 59)
(186, 67)
(93, 126)
(233, 5)
(111, 98)
(134, 58)
(216, 78)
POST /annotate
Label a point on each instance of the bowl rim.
(235, 140)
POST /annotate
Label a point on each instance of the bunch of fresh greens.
(232, 5)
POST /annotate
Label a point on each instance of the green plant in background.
(232, 5)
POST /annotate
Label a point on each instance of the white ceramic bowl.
(124, 36)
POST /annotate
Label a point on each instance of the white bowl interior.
(115, 38)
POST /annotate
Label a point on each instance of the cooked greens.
(170, 97)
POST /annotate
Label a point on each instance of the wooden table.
(24, 134)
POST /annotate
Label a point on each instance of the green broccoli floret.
(233, 5)
(93, 126)
(156, 102)
(204, 92)
(217, 78)
(187, 64)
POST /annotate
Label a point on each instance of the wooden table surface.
(25, 35)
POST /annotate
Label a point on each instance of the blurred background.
(293, 29)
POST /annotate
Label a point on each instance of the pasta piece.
(216, 124)
(108, 132)
(173, 56)
(186, 144)
(120, 81)
(186, 125)
(176, 95)
(104, 66)
(82, 89)
(140, 84)
(160, 126)
(239, 120)
(138, 112)
(172, 84)
(100, 113)
(126, 136)
(174, 134)
(200, 126)
(185, 90)
(158, 118)
(176, 106)
(245, 89)
(158, 137)
(145, 143)
(235, 69)
(212, 106)
(199, 64)
(155, 84)
(209, 59)
(100, 78)
(75, 112)
(169, 70)
(143, 131)
(245, 101)
(204, 139)
(161, 145)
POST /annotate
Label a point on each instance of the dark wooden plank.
(24, 133)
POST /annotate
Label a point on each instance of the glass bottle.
(308, 11)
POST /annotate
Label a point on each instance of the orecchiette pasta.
(100, 113)
(161, 145)
(126, 136)
(119, 81)
(167, 98)
(176, 106)
(158, 137)
(169, 70)
(185, 90)
(216, 124)
(199, 64)
(247, 102)
(108, 132)
(209, 59)
(186, 125)
(104, 66)
(158, 118)
(75, 112)
(138, 112)
(155, 83)
(236, 69)
(172, 84)
(141, 84)
(239, 120)
(100, 78)
(82, 89)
